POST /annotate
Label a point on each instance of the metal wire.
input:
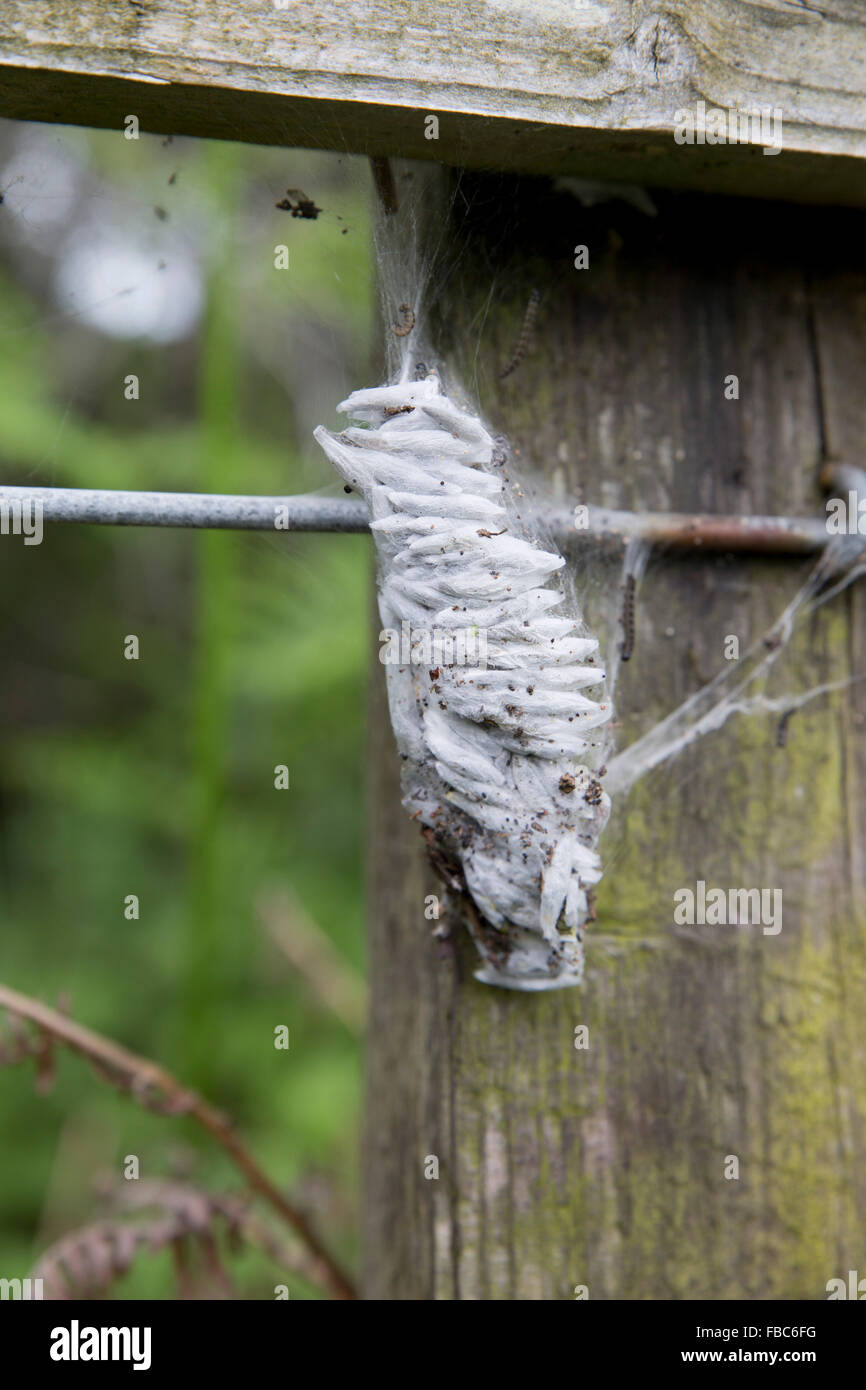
(97, 507)
(759, 534)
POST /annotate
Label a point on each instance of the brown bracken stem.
(141, 1076)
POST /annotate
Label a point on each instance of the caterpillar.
(627, 619)
(488, 677)
(782, 730)
(402, 330)
(383, 181)
(525, 339)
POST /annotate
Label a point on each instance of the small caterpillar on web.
(402, 330)
(627, 619)
(527, 334)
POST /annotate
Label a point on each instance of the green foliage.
(156, 777)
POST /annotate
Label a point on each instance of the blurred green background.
(156, 777)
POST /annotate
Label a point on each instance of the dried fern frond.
(86, 1262)
(151, 1216)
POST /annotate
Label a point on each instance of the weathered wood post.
(611, 1167)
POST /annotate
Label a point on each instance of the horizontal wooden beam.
(581, 87)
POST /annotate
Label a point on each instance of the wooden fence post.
(712, 1050)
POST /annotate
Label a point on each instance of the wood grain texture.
(605, 1167)
(555, 86)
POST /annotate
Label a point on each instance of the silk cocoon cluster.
(495, 689)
